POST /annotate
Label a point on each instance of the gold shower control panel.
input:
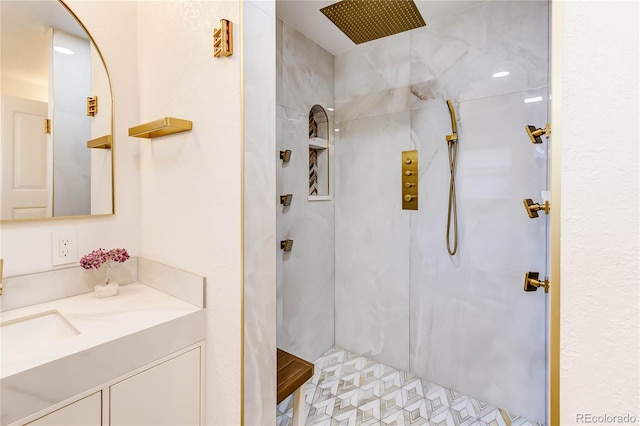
(410, 180)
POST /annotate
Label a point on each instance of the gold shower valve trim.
(410, 180)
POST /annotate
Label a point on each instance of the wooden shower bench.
(293, 373)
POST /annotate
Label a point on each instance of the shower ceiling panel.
(366, 20)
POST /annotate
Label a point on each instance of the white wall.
(191, 182)
(598, 96)
(306, 275)
(26, 246)
(101, 159)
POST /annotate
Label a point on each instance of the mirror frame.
(113, 139)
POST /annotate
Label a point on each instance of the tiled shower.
(377, 280)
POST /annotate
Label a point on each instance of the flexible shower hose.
(452, 211)
(452, 145)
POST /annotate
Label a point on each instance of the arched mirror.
(56, 112)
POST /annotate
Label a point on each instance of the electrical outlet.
(64, 247)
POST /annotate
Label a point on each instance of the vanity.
(133, 359)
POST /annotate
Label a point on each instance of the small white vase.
(106, 290)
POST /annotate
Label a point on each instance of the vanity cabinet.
(84, 412)
(166, 394)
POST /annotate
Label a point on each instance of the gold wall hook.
(223, 39)
(285, 155)
(92, 106)
(286, 245)
(534, 208)
(285, 200)
(531, 282)
(535, 134)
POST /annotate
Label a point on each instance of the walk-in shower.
(371, 280)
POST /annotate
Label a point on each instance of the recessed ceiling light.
(500, 74)
(530, 100)
(63, 50)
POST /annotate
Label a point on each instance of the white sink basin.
(34, 332)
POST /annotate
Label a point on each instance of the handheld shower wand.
(452, 145)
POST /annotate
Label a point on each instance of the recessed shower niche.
(318, 154)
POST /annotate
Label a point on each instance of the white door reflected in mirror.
(50, 65)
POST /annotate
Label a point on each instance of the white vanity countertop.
(137, 307)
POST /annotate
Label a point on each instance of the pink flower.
(96, 258)
(119, 255)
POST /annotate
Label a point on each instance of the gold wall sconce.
(532, 282)
(286, 245)
(92, 106)
(534, 208)
(162, 127)
(103, 142)
(535, 134)
(285, 200)
(223, 39)
(285, 155)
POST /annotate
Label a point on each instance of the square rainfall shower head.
(366, 20)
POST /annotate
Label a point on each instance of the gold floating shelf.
(103, 142)
(164, 126)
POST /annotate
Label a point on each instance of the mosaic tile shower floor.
(348, 389)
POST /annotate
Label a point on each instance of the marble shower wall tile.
(473, 329)
(306, 275)
(372, 235)
(373, 79)
(260, 236)
(456, 55)
(306, 72)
